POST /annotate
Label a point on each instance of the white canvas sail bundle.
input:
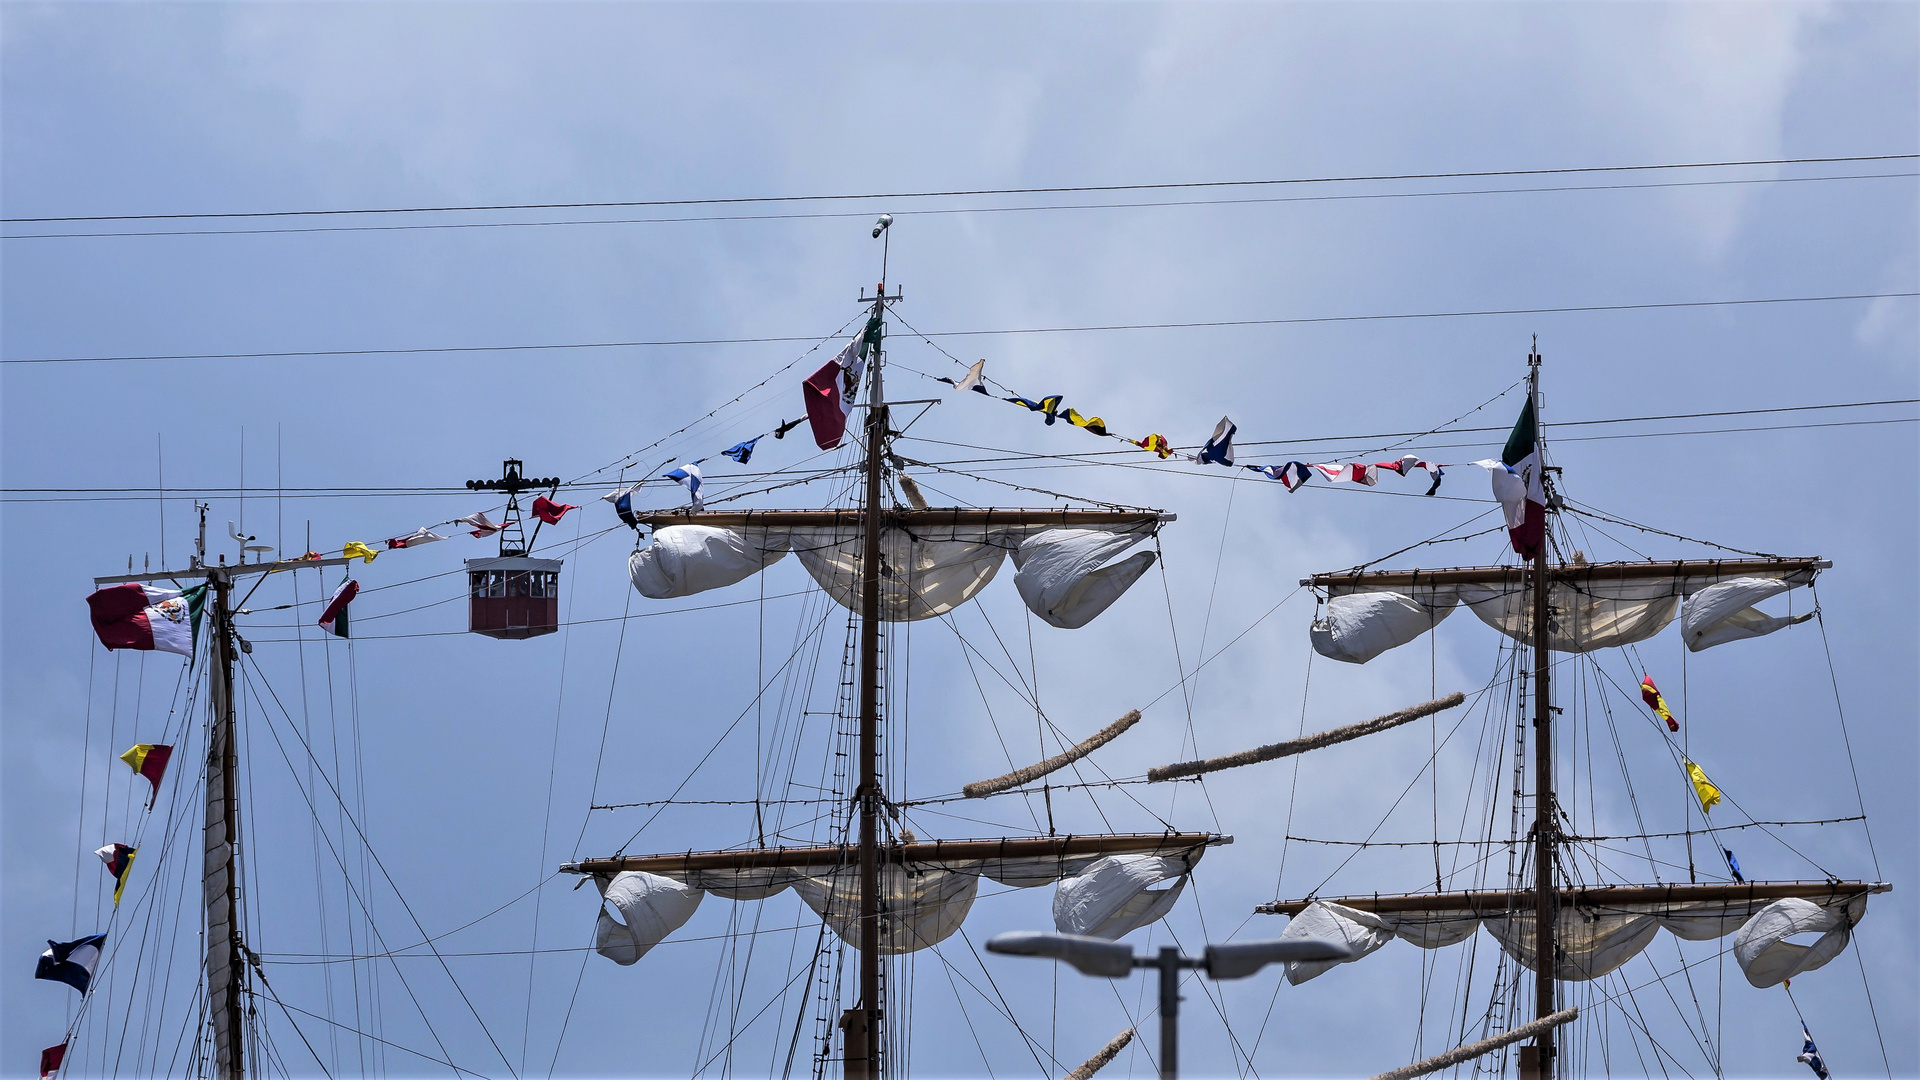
(1065, 576)
(922, 903)
(1594, 940)
(1362, 621)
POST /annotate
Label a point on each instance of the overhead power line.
(1064, 190)
(283, 230)
(666, 343)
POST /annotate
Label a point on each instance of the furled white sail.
(1361, 621)
(1117, 895)
(1596, 939)
(1063, 577)
(1062, 574)
(1725, 612)
(922, 903)
(688, 559)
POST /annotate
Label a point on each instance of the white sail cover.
(1725, 612)
(688, 559)
(1362, 621)
(1116, 896)
(1061, 574)
(921, 904)
(1063, 577)
(1595, 940)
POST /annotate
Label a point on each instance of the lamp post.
(1115, 959)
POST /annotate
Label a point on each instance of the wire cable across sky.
(1062, 190)
(1087, 329)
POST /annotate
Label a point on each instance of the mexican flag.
(829, 392)
(1521, 490)
(136, 616)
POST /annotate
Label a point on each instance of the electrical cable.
(1073, 189)
(1091, 328)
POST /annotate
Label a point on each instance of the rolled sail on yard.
(1067, 576)
(1597, 606)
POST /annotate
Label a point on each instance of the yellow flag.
(1091, 423)
(355, 547)
(1703, 787)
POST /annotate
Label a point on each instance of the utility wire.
(1074, 189)
(948, 210)
(666, 343)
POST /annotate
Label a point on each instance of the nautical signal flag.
(975, 378)
(742, 451)
(1733, 864)
(119, 860)
(1810, 1054)
(150, 761)
(357, 550)
(1091, 423)
(1158, 444)
(136, 616)
(549, 511)
(786, 426)
(1703, 787)
(50, 1060)
(1651, 695)
(829, 392)
(1219, 448)
(421, 535)
(482, 528)
(71, 962)
(1048, 406)
(622, 500)
(688, 476)
(334, 619)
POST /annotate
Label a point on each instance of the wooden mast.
(220, 882)
(225, 967)
(863, 1042)
(1545, 833)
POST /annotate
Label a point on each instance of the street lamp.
(1114, 959)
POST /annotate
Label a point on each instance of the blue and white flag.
(1219, 449)
(1810, 1054)
(622, 500)
(73, 962)
(688, 476)
(1292, 474)
(741, 451)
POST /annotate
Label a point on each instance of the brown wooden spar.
(925, 851)
(898, 517)
(1499, 902)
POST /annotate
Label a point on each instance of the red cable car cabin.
(513, 597)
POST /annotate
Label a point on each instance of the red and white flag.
(146, 617)
(334, 619)
(482, 528)
(421, 535)
(829, 392)
(1519, 485)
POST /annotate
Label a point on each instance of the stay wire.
(955, 210)
(958, 192)
(252, 670)
(1086, 329)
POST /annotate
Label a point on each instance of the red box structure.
(513, 597)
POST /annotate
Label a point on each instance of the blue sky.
(465, 758)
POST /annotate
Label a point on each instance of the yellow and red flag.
(1651, 695)
(149, 760)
